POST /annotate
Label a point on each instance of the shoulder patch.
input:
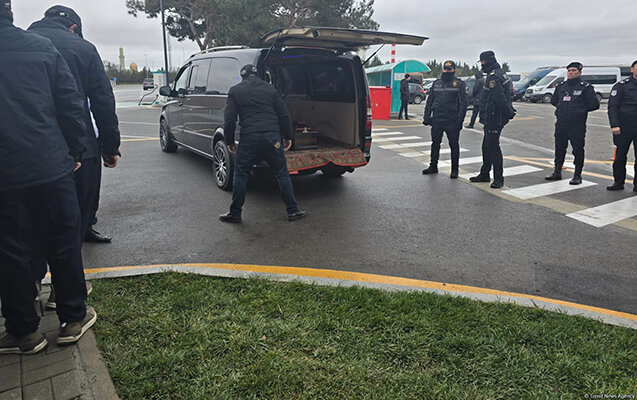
(454, 83)
(613, 93)
(492, 73)
(492, 84)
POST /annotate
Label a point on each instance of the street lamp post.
(163, 28)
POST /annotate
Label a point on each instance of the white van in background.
(602, 79)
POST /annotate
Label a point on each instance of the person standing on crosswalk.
(573, 100)
(622, 113)
(445, 111)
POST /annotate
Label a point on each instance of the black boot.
(556, 175)
(454, 173)
(577, 179)
(480, 178)
(615, 186)
(432, 169)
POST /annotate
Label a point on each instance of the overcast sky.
(524, 34)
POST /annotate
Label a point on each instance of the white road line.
(444, 151)
(391, 146)
(412, 154)
(394, 139)
(511, 171)
(608, 213)
(374, 134)
(470, 160)
(567, 164)
(417, 144)
(545, 189)
(378, 129)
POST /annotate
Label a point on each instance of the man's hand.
(426, 121)
(232, 148)
(287, 144)
(77, 166)
(616, 130)
(110, 161)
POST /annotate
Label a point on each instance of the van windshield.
(546, 80)
(531, 78)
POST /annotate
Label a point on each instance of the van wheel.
(334, 171)
(599, 97)
(547, 98)
(165, 141)
(417, 100)
(223, 165)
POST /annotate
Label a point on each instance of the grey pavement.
(57, 373)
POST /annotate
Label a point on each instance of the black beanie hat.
(248, 70)
(66, 13)
(487, 56)
(575, 64)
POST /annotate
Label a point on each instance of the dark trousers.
(255, 146)
(404, 102)
(88, 180)
(491, 153)
(48, 215)
(453, 137)
(627, 136)
(574, 133)
(475, 114)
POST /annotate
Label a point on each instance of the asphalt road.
(385, 218)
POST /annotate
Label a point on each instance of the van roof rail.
(220, 48)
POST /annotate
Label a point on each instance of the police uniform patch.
(277, 145)
(454, 83)
(492, 84)
(613, 93)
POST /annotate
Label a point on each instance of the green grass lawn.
(177, 336)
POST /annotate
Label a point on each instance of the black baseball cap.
(68, 14)
(487, 55)
(248, 70)
(575, 64)
(449, 65)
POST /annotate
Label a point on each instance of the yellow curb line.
(369, 278)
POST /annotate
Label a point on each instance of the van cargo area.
(320, 91)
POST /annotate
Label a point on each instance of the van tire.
(546, 98)
(165, 140)
(334, 171)
(222, 165)
(417, 100)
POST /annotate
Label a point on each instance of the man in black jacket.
(40, 127)
(447, 101)
(495, 112)
(404, 96)
(63, 27)
(573, 100)
(477, 89)
(264, 121)
(622, 113)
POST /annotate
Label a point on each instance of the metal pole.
(163, 28)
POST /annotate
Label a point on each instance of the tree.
(225, 22)
(374, 62)
(505, 67)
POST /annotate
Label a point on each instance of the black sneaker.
(297, 215)
(577, 180)
(497, 184)
(93, 236)
(615, 186)
(230, 218)
(28, 344)
(430, 170)
(50, 302)
(480, 178)
(71, 332)
(555, 176)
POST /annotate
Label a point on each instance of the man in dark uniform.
(622, 113)
(495, 112)
(477, 89)
(447, 101)
(40, 127)
(266, 133)
(404, 96)
(573, 100)
(63, 27)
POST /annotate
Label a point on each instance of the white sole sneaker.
(74, 337)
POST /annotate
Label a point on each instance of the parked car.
(149, 83)
(320, 78)
(519, 88)
(602, 79)
(416, 93)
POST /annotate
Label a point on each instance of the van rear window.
(332, 81)
(600, 79)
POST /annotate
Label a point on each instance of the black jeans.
(453, 137)
(404, 102)
(474, 115)
(574, 133)
(627, 136)
(255, 146)
(491, 153)
(87, 183)
(48, 215)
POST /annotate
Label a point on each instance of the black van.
(320, 78)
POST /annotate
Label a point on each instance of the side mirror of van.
(165, 91)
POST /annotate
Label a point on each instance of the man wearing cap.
(573, 100)
(622, 114)
(40, 127)
(445, 111)
(404, 96)
(63, 26)
(266, 133)
(495, 112)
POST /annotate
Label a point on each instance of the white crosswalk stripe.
(608, 213)
(511, 171)
(378, 129)
(545, 189)
(375, 134)
(396, 139)
(417, 144)
(412, 154)
(392, 146)
(470, 160)
(444, 151)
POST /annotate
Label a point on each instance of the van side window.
(557, 82)
(182, 81)
(199, 76)
(293, 79)
(224, 74)
(600, 79)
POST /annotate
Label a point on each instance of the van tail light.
(368, 126)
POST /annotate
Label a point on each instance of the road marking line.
(545, 189)
(530, 161)
(394, 139)
(391, 146)
(470, 160)
(444, 151)
(138, 140)
(608, 213)
(511, 171)
(378, 129)
(374, 134)
(417, 144)
(140, 123)
(412, 155)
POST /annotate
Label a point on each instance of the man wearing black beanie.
(573, 100)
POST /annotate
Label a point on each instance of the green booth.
(389, 75)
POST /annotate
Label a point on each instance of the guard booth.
(390, 75)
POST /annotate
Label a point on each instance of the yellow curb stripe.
(370, 278)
